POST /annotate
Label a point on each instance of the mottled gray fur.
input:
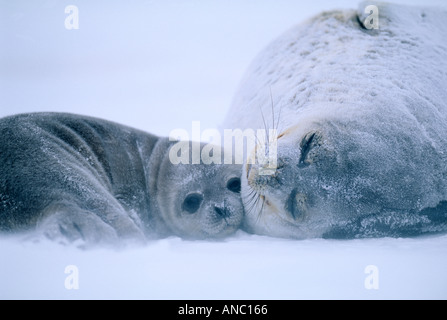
(72, 178)
(362, 120)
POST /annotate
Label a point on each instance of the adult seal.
(361, 115)
(79, 179)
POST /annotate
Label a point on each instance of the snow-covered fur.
(79, 179)
(363, 117)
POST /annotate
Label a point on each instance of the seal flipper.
(393, 224)
(67, 223)
(437, 217)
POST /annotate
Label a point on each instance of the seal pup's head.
(199, 200)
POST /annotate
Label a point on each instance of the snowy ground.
(159, 65)
(243, 267)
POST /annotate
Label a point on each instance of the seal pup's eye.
(234, 185)
(192, 202)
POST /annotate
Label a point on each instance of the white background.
(157, 66)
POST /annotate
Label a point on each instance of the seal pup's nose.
(223, 212)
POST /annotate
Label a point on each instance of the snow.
(242, 267)
(159, 66)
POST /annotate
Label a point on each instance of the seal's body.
(72, 177)
(362, 120)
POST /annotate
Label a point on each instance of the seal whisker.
(275, 124)
(251, 203)
(263, 118)
(279, 117)
(341, 155)
(258, 218)
(273, 109)
(252, 208)
(266, 132)
(253, 198)
(258, 142)
(279, 127)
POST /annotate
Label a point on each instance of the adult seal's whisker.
(360, 153)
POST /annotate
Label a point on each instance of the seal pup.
(72, 177)
(361, 115)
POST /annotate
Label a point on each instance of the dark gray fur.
(72, 178)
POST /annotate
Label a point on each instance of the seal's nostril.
(221, 212)
(290, 203)
(296, 204)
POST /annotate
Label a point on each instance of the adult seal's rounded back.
(362, 121)
(75, 178)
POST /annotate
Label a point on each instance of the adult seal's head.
(361, 116)
(74, 178)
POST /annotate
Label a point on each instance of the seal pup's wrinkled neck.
(152, 155)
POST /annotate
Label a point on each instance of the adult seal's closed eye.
(362, 120)
(75, 178)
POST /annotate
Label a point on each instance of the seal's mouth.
(264, 195)
(279, 194)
